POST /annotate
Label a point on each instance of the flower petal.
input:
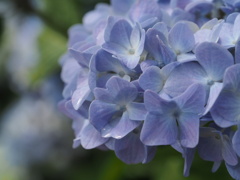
(136, 111)
(159, 130)
(214, 59)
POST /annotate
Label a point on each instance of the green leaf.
(52, 46)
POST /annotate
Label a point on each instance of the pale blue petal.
(120, 127)
(122, 90)
(183, 76)
(237, 52)
(236, 28)
(236, 141)
(231, 79)
(152, 79)
(228, 153)
(181, 38)
(214, 59)
(189, 129)
(91, 138)
(189, 154)
(234, 171)
(136, 111)
(121, 7)
(130, 149)
(192, 100)
(100, 113)
(215, 90)
(159, 130)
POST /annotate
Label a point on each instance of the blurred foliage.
(51, 46)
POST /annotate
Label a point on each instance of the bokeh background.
(35, 138)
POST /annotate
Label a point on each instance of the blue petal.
(237, 52)
(152, 79)
(192, 100)
(159, 130)
(231, 78)
(215, 90)
(130, 149)
(181, 38)
(119, 127)
(91, 138)
(236, 141)
(225, 111)
(81, 93)
(118, 31)
(236, 27)
(122, 90)
(121, 7)
(183, 76)
(210, 147)
(189, 154)
(234, 171)
(228, 153)
(136, 111)
(199, 8)
(156, 104)
(189, 129)
(156, 45)
(100, 114)
(214, 59)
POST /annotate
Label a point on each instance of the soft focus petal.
(236, 141)
(228, 153)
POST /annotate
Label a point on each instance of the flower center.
(131, 51)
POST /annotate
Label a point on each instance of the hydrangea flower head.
(140, 74)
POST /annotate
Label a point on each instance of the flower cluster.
(144, 73)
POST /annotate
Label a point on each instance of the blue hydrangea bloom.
(139, 74)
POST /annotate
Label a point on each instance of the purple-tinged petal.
(199, 8)
(236, 27)
(156, 104)
(181, 38)
(130, 149)
(228, 153)
(156, 45)
(225, 111)
(236, 141)
(103, 95)
(161, 27)
(216, 166)
(183, 76)
(149, 154)
(159, 130)
(234, 171)
(136, 111)
(121, 7)
(215, 90)
(152, 79)
(121, 89)
(118, 128)
(147, 63)
(231, 78)
(120, 33)
(189, 129)
(101, 113)
(90, 137)
(77, 33)
(210, 145)
(189, 154)
(143, 10)
(237, 52)
(81, 93)
(179, 3)
(214, 59)
(192, 100)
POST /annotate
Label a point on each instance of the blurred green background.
(35, 138)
